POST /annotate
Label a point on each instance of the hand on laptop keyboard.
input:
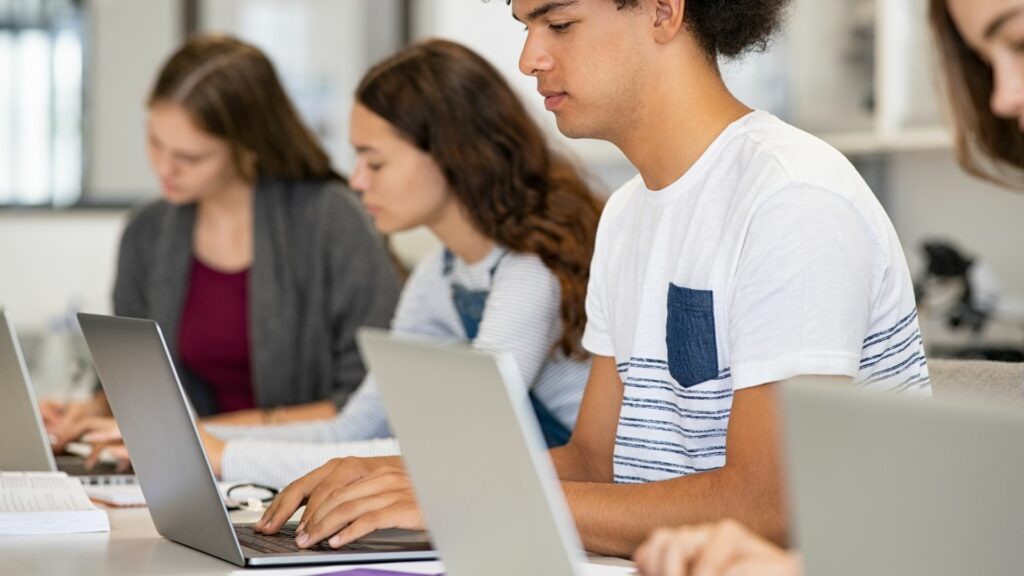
(346, 499)
(100, 443)
(284, 541)
(96, 428)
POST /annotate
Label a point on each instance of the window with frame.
(41, 102)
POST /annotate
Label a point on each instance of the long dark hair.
(449, 102)
(230, 90)
(987, 146)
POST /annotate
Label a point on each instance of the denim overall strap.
(470, 306)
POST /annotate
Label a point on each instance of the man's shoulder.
(780, 153)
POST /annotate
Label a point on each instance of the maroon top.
(214, 334)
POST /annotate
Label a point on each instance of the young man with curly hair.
(744, 253)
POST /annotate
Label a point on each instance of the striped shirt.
(521, 317)
(769, 259)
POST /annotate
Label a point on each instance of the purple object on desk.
(371, 572)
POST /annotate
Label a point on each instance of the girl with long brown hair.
(258, 262)
(443, 142)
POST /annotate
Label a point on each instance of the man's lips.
(553, 99)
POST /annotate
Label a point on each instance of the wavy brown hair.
(987, 146)
(231, 91)
(449, 102)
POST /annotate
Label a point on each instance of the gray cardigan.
(319, 271)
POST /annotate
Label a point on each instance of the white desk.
(133, 548)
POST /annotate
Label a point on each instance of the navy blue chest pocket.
(690, 336)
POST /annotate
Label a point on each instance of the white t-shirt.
(770, 258)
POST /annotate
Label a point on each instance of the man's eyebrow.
(545, 9)
(364, 149)
(1001, 21)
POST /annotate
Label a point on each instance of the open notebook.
(47, 503)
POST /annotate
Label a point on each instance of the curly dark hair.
(452, 104)
(732, 28)
(729, 28)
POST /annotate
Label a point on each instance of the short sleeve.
(803, 289)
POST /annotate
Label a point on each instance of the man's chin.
(571, 129)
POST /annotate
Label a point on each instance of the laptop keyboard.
(284, 542)
(75, 466)
(281, 543)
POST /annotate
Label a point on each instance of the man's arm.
(614, 519)
(587, 457)
(349, 497)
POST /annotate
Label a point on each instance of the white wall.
(50, 261)
(128, 41)
(930, 197)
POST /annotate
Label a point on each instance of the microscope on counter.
(961, 292)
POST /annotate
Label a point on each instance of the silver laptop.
(888, 485)
(482, 474)
(159, 431)
(25, 445)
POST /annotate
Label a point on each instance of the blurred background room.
(74, 75)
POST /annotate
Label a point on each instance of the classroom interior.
(74, 77)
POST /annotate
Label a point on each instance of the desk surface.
(133, 548)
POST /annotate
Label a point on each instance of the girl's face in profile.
(401, 186)
(190, 163)
(994, 29)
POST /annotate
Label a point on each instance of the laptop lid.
(157, 424)
(25, 446)
(889, 485)
(482, 474)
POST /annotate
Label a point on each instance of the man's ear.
(668, 19)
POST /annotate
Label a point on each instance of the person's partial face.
(995, 30)
(401, 186)
(190, 163)
(589, 61)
